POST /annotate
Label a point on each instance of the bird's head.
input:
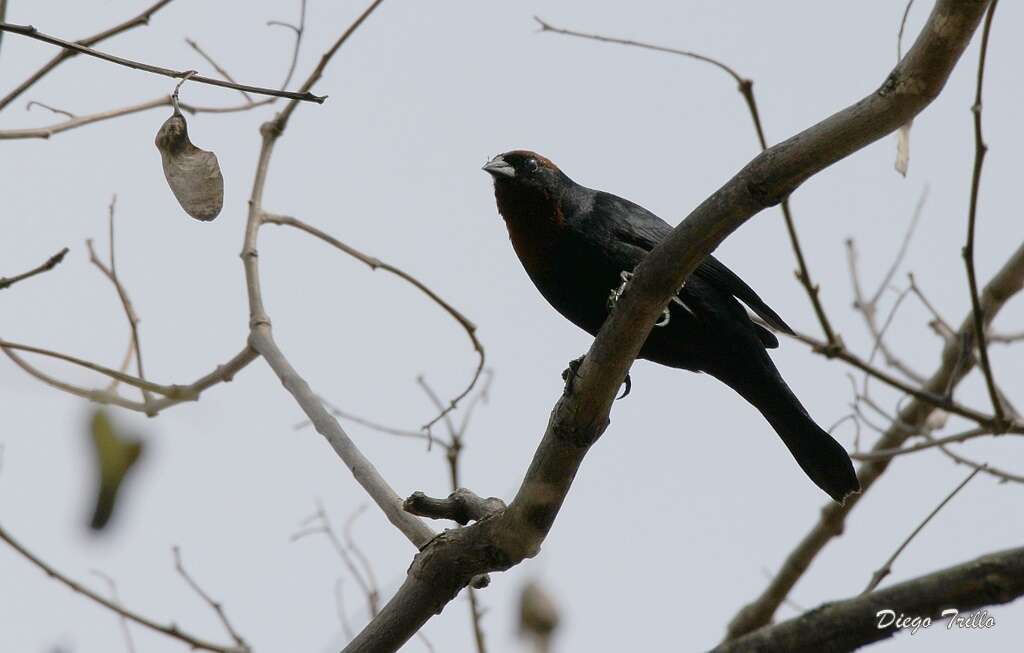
(526, 170)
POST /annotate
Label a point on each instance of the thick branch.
(462, 506)
(847, 625)
(448, 563)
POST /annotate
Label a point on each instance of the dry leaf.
(903, 148)
(192, 173)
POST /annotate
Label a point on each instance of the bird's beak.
(499, 167)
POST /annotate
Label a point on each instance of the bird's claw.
(628, 383)
(613, 298)
(569, 373)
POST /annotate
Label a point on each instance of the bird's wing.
(715, 272)
(641, 228)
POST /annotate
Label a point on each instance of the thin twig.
(64, 55)
(869, 311)
(1002, 475)
(374, 263)
(886, 568)
(903, 25)
(339, 601)
(882, 454)
(321, 524)
(904, 246)
(32, 32)
(126, 303)
(299, 30)
(745, 86)
(350, 542)
(938, 324)
(175, 394)
(282, 118)
(372, 425)
(980, 148)
(170, 630)
(216, 606)
(49, 264)
(125, 630)
(172, 391)
(216, 66)
(33, 103)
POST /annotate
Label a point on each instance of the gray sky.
(687, 499)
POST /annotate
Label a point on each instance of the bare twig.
(49, 264)
(170, 630)
(175, 394)
(126, 303)
(299, 30)
(63, 55)
(350, 542)
(33, 103)
(162, 101)
(904, 246)
(903, 25)
(339, 600)
(320, 523)
(938, 324)
(746, 88)
(171, 391)
(216, 66)
(216, 606)
(372, 425)
(980, 148)
(126, 632)
(882, 454)
(374, 264)
(1002, 475)
(32, 32)
(886, 567)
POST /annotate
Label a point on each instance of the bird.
(579, 246)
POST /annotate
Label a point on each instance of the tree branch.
(374, 263)
(32, 32)
(261, 337)
(63, 55)
(980, 148)
(911, 420)
(886, 567)
(170, 630)
(49, 264)
(847, 625)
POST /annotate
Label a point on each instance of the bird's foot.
(569, 374)
(613, 298)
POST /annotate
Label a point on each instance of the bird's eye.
(531, 165)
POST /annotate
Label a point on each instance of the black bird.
(579, 246)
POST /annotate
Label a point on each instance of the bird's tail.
(823, 459)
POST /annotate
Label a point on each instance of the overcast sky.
(688, 501)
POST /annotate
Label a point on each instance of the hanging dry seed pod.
(192, 173)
